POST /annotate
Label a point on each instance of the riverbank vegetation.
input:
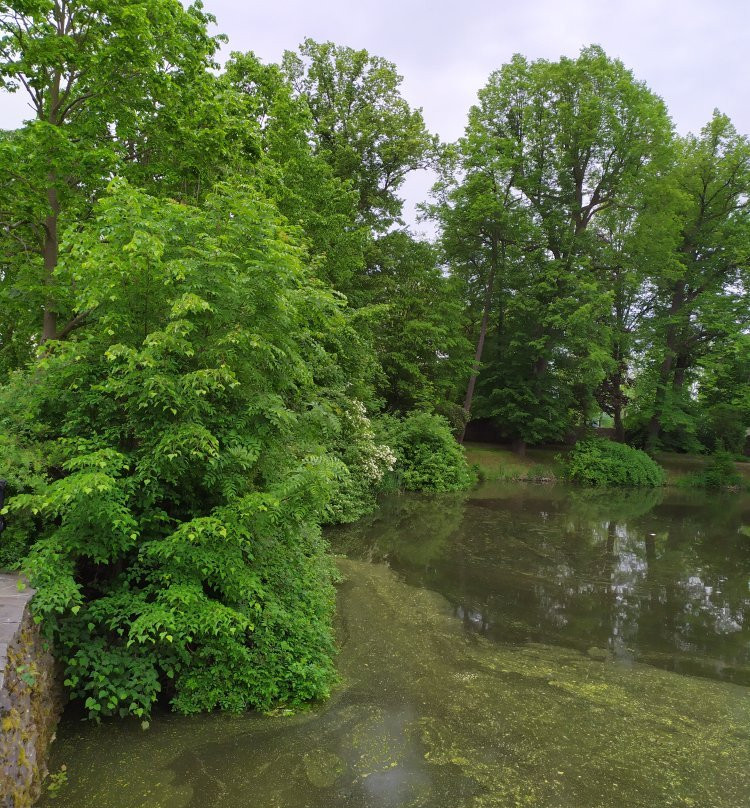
(602, 463)
(217, 334)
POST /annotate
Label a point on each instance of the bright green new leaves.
(186, 435)
(117, 86)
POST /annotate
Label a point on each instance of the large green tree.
(361, 123)
(301, 182)
(702, 296)
(369, 137)
(549, 149)
(110, 83)
(189, 442)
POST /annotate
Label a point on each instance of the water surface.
(518, 646)
(655, 576)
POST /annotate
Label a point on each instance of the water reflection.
(657, 576)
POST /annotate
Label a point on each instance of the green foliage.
(550, 148)
(608, 464)
(116, 87)
(191, 354)
(428, 458)
(417, 323)
(362, 126)
(701, 297)
(724, 425)
(23, 471)
(719, 473)
(186, 436)
(679, 421)
(301, 182)
(367, 463)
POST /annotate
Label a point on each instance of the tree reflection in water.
(656, 576)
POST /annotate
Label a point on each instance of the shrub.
(428, 457)
(719, 473)
(366, 462)
(604, 463)
(23, 471)
(173, 461)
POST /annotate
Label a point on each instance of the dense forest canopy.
(217, 334)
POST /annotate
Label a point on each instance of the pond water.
(515, 646)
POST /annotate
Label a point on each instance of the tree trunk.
(50, 253)
(619, 426)
(654, 425)
(681, 365)
(621, 372)
(480, 342)
(50, 248)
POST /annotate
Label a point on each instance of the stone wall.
(30, 699)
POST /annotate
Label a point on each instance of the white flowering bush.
(366, 461)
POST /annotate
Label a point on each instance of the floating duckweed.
(428, 716)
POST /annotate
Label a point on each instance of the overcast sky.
(693, 53)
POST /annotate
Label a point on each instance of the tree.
(361, 124)
(416, 320)
(369, 137)
(636, 243)
(301, 182)
(483, 230)
(188, 440)
(703, 296)
(97, 75)
(552, 147)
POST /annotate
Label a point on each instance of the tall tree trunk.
(468, 398)
(619, 426)
(681, 364)
(665, 371)
(50, 249)
(654, 424)
(50, 253)
(618, 352)
(618, 397)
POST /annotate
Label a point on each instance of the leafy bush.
(604, 463)
(366, 461)
(719, 473)
(428, 458)
(187, 437)
(23, 471)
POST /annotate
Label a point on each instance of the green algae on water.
(427, 715)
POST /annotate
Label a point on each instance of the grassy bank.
(545, 463)
(501, 463)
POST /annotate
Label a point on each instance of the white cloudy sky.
(694, 53)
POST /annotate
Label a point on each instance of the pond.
(520, 645)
